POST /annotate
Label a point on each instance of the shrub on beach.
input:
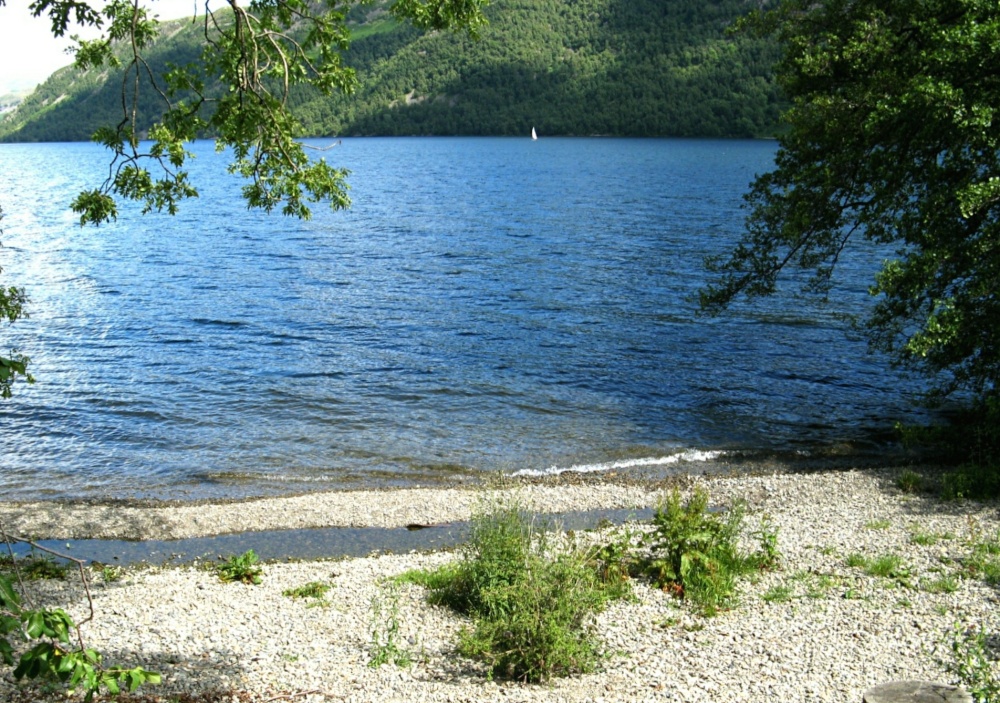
(697, 555)
(532, 605)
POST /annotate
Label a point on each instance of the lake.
(485, 305)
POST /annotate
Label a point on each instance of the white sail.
(533, 135)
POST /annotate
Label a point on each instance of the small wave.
(219, 323)
(247, 477)
(690, 455)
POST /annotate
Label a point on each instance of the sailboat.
(533, 135)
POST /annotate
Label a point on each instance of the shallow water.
(318, 543)
(487, 304)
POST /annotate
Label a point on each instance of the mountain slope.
(617, 67)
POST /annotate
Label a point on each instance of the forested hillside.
(614, 67)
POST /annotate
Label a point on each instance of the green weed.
(972, 663)
(886, 566)
(242, 568)
(385, 644)
(984, 562)
(878, 525)
(942, 584)
(910, 481)
(856, 561)
(110, 574)
(40, 568)
(778, 594)
(928, 539)
(820, 586)
(889, 566)
(695, 554)
(545, 628)
(315, 591)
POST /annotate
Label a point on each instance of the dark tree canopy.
(894, 137)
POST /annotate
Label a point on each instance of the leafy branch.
(12, 302)
(60, 653)
(254, 53)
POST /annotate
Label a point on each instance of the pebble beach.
(812, 629)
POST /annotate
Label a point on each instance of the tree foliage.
(257, 52)
(894, 138)
(12, 365)
(59, 654)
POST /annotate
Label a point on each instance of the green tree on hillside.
(580, 67)
(894, 138)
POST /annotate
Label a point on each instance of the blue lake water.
(486, 304)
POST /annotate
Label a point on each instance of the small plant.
(856, 560)
(820, 586)
(243, 568)
(385, 645)
(766, 535)
(110, 574)
(39, 568)
(546, 628)
(971, 662)
(887, 566)
(315, 591)
(670, 621)
(910, 481)
(816, 585)
(778, 594)
(695, 554)
(614, 560)
(878, 525)
(928, 539)
(531, 607)
(942, 584)
(984, 562)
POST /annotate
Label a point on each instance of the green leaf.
(9, 599)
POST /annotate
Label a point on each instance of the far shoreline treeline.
(590, 67)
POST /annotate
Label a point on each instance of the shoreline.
(386, 507)
(837, 631)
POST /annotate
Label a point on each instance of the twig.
(321, 148)
(289, 696)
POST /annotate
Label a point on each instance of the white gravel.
(840, 632)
